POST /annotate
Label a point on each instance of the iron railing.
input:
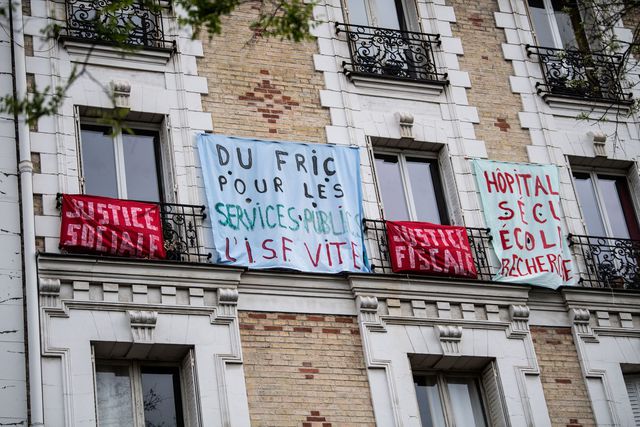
(607, 262)
(479, 240)
(141, 25)
(384, 52)
(181, 225)
(583, 75)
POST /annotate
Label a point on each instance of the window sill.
(570, 106)
(396, 87)
(96, 53)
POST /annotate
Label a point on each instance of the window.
(392, 14)
(558, 24)
(450, 400)
(607, 205)
(410, 188)
(633, 390)
(122, 165)
(137, 394)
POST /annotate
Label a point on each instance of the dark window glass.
(466, 404)
(161, 397)
(429, 402)
(391, 187)
(425, 189)
(141, 166)
(99, 162)
(115, 404)
(589, 204)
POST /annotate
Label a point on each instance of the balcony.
(607, 262)
(580, 75)
(140, 26)
(181, 230)
(479, 240)
(391, 54)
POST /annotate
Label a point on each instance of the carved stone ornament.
(143, 323)
(450, 337)
(581, 322)
(519, 326)
(406, 125)
(227, 302)
(121, 94)
(599, 143)
(49, 292)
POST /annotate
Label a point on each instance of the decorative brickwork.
(562, 381)
(490, 92)
(304, 370)
(265, 88)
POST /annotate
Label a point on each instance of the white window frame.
(135, 377)
(164, 162)
(593, 174)
(553, 24)
(632, 383)
(404, 175)
(409, 13)
(445, 398)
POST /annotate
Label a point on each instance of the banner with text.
(108, 226)
(434, 249)
(284, 205)
(522, 208)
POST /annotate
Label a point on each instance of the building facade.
(423, 88)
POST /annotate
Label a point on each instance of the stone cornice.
(602, 299)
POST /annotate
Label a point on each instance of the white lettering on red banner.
(428, 248)
(111, 227)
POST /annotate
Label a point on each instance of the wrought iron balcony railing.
(583, 75)
(181, 225)
(384, 52)
(141, 26)
(607, 262)
(479, 240)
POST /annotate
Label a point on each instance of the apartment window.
(121, 164)
(607, 205)
(410, 188)
(450, 400)
(558, 24)
(136, 394)
(392, 14)
(633, 390)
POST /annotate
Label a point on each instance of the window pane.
(429, 403)
(113, 385)
(357, 12)
(587, 199)
(465, 402)
(541, 23)
(161, 397)
(567, 17)
(423, 189)
(141, 166)
(98, 162)
(611, 199)
(391, 188)
(385, 13)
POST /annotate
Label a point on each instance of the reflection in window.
(161, 397)
(115, 402)
(410, 188)
(121, 165)
(558, 24)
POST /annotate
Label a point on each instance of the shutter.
(494, 397)
(76, 123)
(190, 401)
(633, 389)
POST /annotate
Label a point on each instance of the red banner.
(111, 227)
(427, 248)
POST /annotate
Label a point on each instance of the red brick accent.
(287, 316)
(563, 381)
(309, 370)
(272, 328)
(344, 320)
(298, 329)
(502, 125)
(247, 327)
(330, 331)
(257, 316)
(316, 318)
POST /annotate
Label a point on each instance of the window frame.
(445, 397)
(438, 182)
(162, 161)
(408, 17)
(594, 174)
(135, 377)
